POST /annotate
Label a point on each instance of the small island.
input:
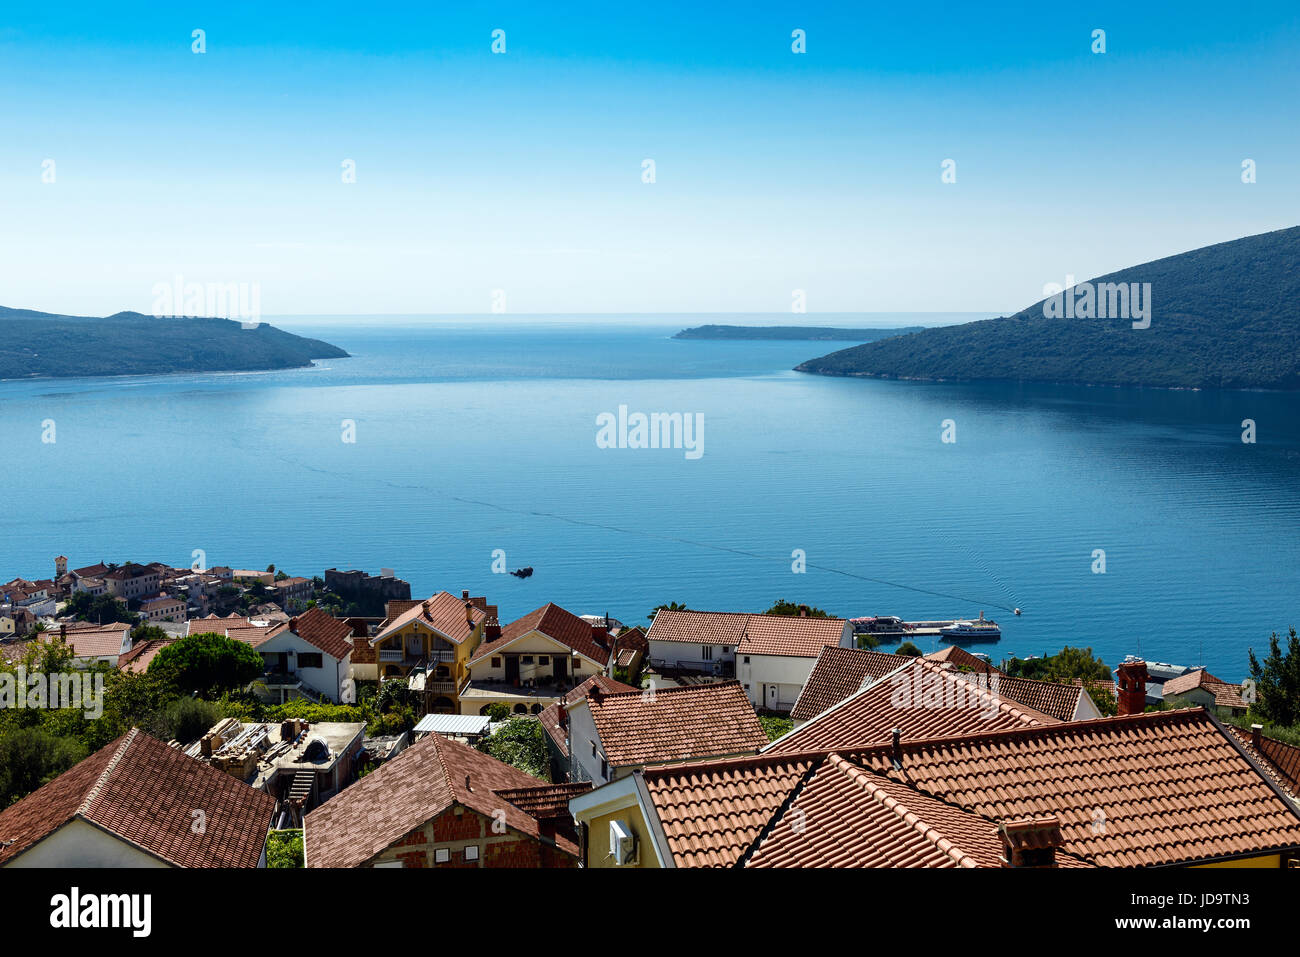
(829, 333)
(40, 344)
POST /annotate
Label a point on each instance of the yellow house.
(615, 829)
(430, 643)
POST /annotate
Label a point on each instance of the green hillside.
(1224, 316)
(129, 343)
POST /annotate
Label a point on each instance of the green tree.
(498, 712)
(284, 849)
(102, 609)
(188, 719)
(671, 606)
(909, 649)
(520, 743)
(1277, 681)
(208, 664)
(32, 757)
(792, 610)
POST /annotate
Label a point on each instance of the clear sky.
(522, 171)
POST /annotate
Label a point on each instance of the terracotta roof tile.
(444, 613)
(1061, 701)
(144, 792)
(1226, 695)
(322, 630)
(962, 658)
(838, 673)
(544, 801)
(784, 635)
(236, 627)
(553, 622)
(1280, 759)
(923, 699)
(419, 784)
(550, 716)
(674, 724)
(846, 816)
(712, 812)
(1162, 788)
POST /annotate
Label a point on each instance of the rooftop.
(838, 673)
(749, 634)
(144, 793)
(674, 724)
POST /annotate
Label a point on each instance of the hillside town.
(335, 721)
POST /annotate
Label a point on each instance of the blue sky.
(522, 171)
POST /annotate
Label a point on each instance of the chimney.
(600, 635)
(564, 714)
(896, 748)
(1131, 687)
(63, 632)
(464, 594)
(1255, 735)
(467, 784)
(492, 630)
(1030, 842)
(803, 611)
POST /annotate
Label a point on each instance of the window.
(593, 749)
(543, 659)
(313, 660)
(442, 855)
(577, 663)
(496, 661)
(706, 652)
(604, 769)
(746, 659)
(471, 852)
(527, 659)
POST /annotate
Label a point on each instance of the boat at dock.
(979, 630)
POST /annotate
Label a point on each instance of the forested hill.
(130, 343)
(1223, 316)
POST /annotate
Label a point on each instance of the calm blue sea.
(477, 436)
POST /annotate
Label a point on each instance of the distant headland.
(40, 344)
(793, 332)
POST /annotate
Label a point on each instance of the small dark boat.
(523, 572)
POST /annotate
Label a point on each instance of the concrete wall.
(78, 844)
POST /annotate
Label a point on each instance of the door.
(512, 668)
(561, 666)
(282, 662)
(771, 696)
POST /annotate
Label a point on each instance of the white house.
(313, 653)
(771, 655)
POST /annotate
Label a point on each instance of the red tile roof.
(419, 784)
(1278, 758)
(444, 613)
(924, 699)
(838, 673)
(1226, 695)
(236, 627)
(550, 716)
(845, 816)
(1162, 788)
(674, 724)
(1061, 701)
(962, 659)
(1152, 789)
(95, 641)
(750, 634)
(144, 793)
(544, 801)
(555, 623)
(322, 630)
(711, 812)
(142, 653)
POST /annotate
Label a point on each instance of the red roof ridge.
(93, 792)
(868, 781)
